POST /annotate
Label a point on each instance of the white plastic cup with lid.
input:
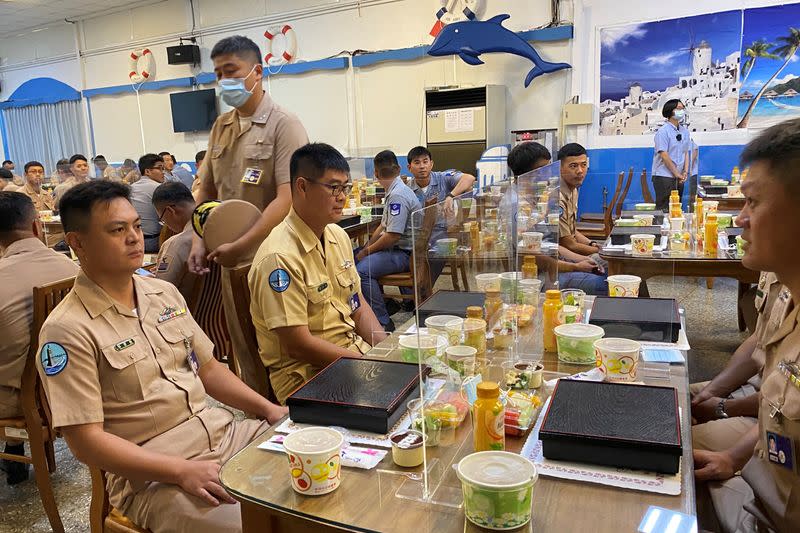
(623, 286)
(617, 358)
(315, 458)
(642, 245)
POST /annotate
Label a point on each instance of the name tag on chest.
(252, 176)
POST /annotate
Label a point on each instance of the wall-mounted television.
(193, 110)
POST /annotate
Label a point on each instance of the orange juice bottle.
(552, 306)
(710, 237)
(489, 432)
(529, 268)
(475, 237)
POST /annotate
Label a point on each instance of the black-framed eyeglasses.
(164, 212)
(337, 189)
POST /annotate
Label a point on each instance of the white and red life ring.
(140, 76)
(290, 49)
(471, 10)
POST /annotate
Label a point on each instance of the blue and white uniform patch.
(394, 209)
(54, 358)
(279, 280)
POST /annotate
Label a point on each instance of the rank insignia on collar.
(127, 343)
(170, 312)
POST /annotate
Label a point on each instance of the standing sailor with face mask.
(248, 156)
(671, 158)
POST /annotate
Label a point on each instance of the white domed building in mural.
(710, 93)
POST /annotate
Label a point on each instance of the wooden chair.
(624, 194)
(599, 218)
(646, 196)
(35, 425)
(102, 517)
(419, 259)
(250, 370)
(206, 307)
(165, 234)
(601, 231)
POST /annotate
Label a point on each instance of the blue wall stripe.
(548, 34)
(607, 163)
(4, 134)
(146, 86)
(331, 63)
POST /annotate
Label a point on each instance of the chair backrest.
(32, 397)
(207, 309)
(420, 267)
(165, 234)
(621, 199)
(608, 218)
(251, 369)
(646, 188)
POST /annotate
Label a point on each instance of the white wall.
(592, 15)
(383, 108)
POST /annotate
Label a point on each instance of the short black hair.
(77, 157)
(6, 174)
(149, 161)
(7, 161)
(386, 165)
(76, 205)
(129, 163)
(172, 192)
(669, 107)
(239, 45)
(162, 154)
(416, 152)
(62, 164)
(571, 150)
(30, 164)
(314, 159)
(523, 157)
(99, 158)
(16, 211)
(199, 156)
(779, 147)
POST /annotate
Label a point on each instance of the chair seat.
(119, 523)
(16, 422)
(405, 278)
(588, 226)
(592, 217)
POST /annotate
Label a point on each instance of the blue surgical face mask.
(680, 114)
(234, 92)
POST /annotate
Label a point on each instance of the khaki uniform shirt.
(777, 488)
(25, 264)
(296, 281)
(568, 202)
(112, 174)
(262, 151)
(59, 191)
(767, 295)
(42, 199)
(171, 263)
(127, 369)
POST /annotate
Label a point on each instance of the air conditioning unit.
(461, 124)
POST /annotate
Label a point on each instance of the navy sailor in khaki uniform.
(759, 475)
(126, 371)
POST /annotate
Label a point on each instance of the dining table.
(389, 498)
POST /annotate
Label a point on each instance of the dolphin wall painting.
(470, 39)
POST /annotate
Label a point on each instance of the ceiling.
(21, 16)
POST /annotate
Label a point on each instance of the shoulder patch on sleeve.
(54, 358)
(163, 265)
(279, 280)
(394, 209)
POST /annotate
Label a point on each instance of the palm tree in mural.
(754, 51)
(789, 46)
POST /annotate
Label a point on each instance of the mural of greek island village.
(695, 59)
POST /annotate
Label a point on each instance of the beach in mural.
(770, 74)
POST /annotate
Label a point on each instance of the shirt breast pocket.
(125, 372)
(177, 333)
(347, 278)
(258, 154)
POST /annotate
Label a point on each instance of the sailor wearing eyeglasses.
(389, 249)
(306, 300)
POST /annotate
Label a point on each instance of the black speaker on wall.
(183, 54)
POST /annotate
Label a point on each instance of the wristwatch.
(720, 411)
(450, 194)
(594, 243)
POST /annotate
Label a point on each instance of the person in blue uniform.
(389, 249)
(671, 161)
